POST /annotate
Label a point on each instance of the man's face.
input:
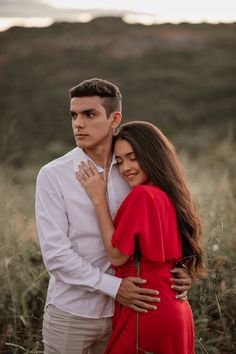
(91, 126)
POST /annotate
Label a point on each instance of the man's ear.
(116, 119)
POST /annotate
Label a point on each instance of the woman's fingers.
(86, 168)
(92, 168)
(80, 178)
(83, 173)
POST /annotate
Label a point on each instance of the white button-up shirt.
(72, 248)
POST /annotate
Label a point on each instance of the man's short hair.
(110, 93)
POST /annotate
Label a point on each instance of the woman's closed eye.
(119, 162)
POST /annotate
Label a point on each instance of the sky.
(44, 12)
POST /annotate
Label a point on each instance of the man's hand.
(182, 282)
(131, 295)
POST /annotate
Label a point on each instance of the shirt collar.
(79, 155)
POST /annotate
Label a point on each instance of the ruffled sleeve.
(140, 215)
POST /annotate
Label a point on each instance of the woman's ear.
(116, 119)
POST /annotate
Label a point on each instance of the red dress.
(148, 214)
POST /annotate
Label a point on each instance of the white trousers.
(64, 333)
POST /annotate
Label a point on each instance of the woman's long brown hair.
(158, 159)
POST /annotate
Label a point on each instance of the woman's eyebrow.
(128, 154)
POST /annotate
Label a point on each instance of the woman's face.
(128, 165)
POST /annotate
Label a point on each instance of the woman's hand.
(92, 181)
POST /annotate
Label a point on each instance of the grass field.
(212, 179)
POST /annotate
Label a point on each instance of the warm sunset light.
(44, 12)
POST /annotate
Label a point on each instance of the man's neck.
(101, 156)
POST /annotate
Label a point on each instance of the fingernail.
(172, 286)
(154, 307)
(144, 281)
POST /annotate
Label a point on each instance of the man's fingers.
(138, 290)
(178, 281)
(130, 294)
(144, 305)
(181, 281)
(180, 288)
(180, 272)
(146, 291)
(183, 296)
(137, 280)
(145, 298)
(138, 309)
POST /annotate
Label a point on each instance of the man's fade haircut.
(110, 93)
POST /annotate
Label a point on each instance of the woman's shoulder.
(147, 191)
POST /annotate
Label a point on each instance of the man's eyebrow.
(87, 110)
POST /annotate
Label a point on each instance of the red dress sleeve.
(140, 215)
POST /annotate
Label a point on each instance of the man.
(79, 304)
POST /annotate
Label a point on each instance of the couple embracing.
(121, 199)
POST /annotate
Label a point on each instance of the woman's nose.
(126, 166)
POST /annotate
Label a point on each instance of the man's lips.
(80, 135)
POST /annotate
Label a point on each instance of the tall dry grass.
(23, 277)
(212, 179)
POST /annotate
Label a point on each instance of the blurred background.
(175, 64)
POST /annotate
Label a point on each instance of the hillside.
(181, 77)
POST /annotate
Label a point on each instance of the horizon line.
(129, 18)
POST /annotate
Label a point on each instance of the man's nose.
(78, 121)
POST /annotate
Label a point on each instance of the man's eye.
(73, 115)
(90, 115)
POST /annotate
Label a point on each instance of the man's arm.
(59, 257)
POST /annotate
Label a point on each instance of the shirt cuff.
(109, 285)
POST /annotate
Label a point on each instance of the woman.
(154, 228)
